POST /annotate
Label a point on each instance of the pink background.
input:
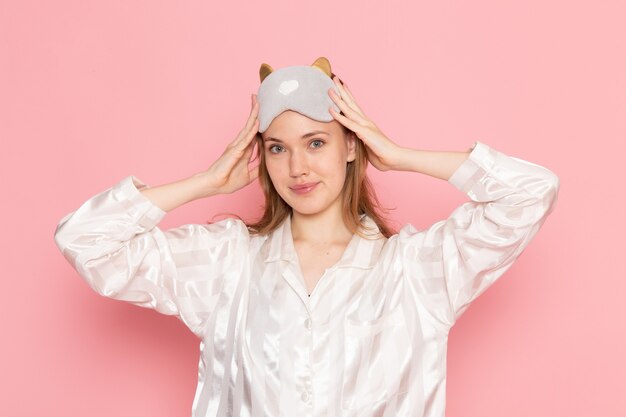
(91, 92)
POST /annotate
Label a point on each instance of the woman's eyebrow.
(306, 135)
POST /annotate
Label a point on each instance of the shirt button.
(305, 396)
(307, 324)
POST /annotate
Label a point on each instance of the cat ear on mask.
(264, 71)
(300, 88)
(323, 64)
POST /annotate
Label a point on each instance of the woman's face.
(307, 160)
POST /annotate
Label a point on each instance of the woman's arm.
(230, 172)
(383, 153)
(438, 164)
(112, 240)
(451, 263)
(174, 194)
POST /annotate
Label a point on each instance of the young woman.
(318, 308)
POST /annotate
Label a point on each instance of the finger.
(255, 152)
(345, 87)
(347, 110)
(343, 96)
(249, 150)
(253, 173)
(347, 96)
(350, 124)
(248, 126)
(254, 129)
(253, 115)
(246, 135)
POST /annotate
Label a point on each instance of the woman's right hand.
(231, 171)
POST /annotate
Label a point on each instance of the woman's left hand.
(381, 152)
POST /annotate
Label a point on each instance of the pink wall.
(93, 91)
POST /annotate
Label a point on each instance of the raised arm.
(113, 242)
(438, 164)
(382, 152)
(455, 260)
(229, 173)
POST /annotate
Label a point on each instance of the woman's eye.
(275, 148)
(317, 143)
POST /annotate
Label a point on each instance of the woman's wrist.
(204, 185)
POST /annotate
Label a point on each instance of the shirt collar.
(360, 252)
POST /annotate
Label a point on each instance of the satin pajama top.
(370, 340)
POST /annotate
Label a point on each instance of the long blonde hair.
(358, 196)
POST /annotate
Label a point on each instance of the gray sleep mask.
(301, 88)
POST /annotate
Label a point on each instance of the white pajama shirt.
(370, 340)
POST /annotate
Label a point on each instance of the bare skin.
(295, 155)
(315, 258)
(321, 240)
(319, 234)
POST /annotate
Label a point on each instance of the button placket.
(307, 394)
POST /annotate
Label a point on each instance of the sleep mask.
(301, 88)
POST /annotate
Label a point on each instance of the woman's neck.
(327, 226)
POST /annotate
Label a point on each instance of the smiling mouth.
(304, 188)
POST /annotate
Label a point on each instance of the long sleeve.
(113, 242)
(455, 260)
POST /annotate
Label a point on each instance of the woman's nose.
(298, 165)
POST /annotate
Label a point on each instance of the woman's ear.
(351, 142)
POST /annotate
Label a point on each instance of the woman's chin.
(307, 204)
(306, 210)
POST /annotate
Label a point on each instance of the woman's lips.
(304, 188)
